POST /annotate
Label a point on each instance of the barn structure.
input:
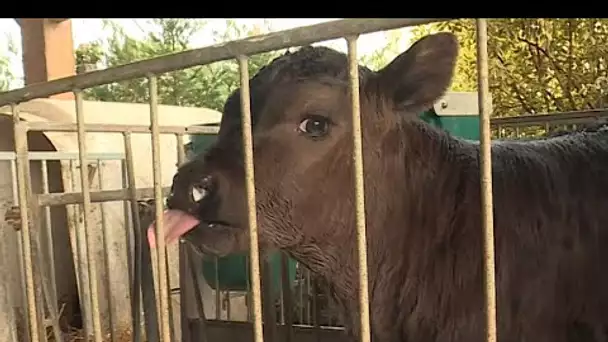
(48, 54)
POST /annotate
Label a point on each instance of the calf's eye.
(314, 126)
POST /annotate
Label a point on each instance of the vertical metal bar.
(13, 320)
(161, 252)
(181, 154)
(23, 183)
(486, 178)
(248, 288)
(308, 298)
(137, 240)
(282, 301)
(268, 309)
(287, 304)
(353, 68)
(48, 225)
(76, 236)
(316, 310)
(190, 278)
(330, 317)
(227, 301)
(107, 254)
(20, 251)
(127, 221)
(254, 251)
(186, 281)
(200, 329)
(218, 298)
(301, 297)
(49, 285)
(186, 291)
(86, 208)
(169, 301)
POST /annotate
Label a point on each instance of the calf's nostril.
(198, 193)
(201, 189)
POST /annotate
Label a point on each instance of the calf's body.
(425, 241)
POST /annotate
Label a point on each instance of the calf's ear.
(414, 80)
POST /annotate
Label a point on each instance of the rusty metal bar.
(59, 156)
(86, 211)
(268, 309)
(76, 232)
(96, 196)
(248, 288)
(218, 295)
(181, 154)
(286, 300)
(301, 298)
(486, 178)
(186, 291)
(215, 53)
(254, 251)
(199, 333)
(107, 255)
(49, 285)
(23, 191)
(131, 194)
(308, 298)
(161, 252)
(228, 305)
(353, 67)
(20, 250)
(114, 128)
(48, 224)
(550, 117)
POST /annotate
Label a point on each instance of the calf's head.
(301, 115)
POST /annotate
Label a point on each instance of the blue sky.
(87, 30)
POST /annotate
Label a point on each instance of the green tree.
(536, 65)
(6, 75)
(201, 86)
(381, 57)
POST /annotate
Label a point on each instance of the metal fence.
(157, 303)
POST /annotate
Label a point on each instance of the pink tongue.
(175, 224)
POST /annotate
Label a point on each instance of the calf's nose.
(202, 189)
(188, 195)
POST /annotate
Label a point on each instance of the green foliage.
(381, 57)
(202, 86)
(6, 75)
(536, 65)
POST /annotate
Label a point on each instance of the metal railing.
(151, 69)
(543, 124)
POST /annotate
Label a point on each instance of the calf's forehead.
(297, 100)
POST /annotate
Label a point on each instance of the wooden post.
(48, 51)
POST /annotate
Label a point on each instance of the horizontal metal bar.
(96, 196)
(112, 128)
(540, 119)
(215, 53)
(7, 156)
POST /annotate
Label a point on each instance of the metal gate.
(151, 69)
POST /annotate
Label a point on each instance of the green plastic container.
(457, 113)
(232, 272)
(232, 269)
